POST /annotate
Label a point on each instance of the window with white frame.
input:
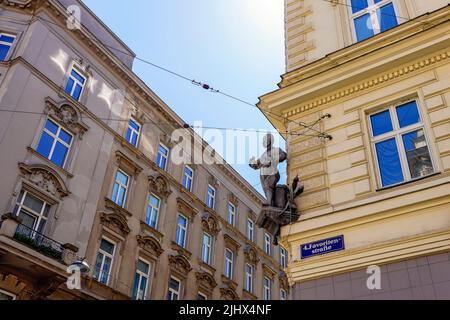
(229, 263)
(232, 214)
(55, 143)
(283, 257)
(104, 261)
(174, 291)
(6, 296)
(141, 281)
(163, 157)
(211, 197)
(283, 294)
(32, 211)
(371, 17)
(267, 287)
(181, 234)
(249, 278)
(267, 244)
(201, 296)
(188, 178)
(206, 248)
(75, 84)
(400, 144)
(120, 189)
(6, 43)
(153, 207)
(133, 132)
(250, 230)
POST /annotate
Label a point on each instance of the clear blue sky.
(236, 46)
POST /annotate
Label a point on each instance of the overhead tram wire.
(207, 87)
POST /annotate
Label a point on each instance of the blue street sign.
(320, 247)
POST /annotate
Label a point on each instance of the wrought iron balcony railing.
(39, 242)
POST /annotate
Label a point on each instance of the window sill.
(249, 295)
(408, 182)
(182, 251)
(151, 230)
(206, 266)
(49, 163)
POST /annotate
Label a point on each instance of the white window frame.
(172, 291)
(76, 81)
(267, 288)
(231, 214)
(125, 187)
(8, 294)
(188, 178)
(106, 254)
(153, 210)
(249, 278)
(267, 244)
(283, 257)
(185, 228)
(8, 44)
(143, 275)
(134, 132)
(229, 264)
(397, 134)
(250, 230)
(56, 139)
(283, 295)
(212, 196)
(39, 216)
(207, 248)
(372, 10)
(163, 156)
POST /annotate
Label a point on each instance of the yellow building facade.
(381, 70)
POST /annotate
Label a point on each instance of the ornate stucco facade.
(60, 206)
(402, 227)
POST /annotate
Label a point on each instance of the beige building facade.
(381, 70)
(86, 150)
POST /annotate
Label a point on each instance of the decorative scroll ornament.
(210, 224)
(45, 179)
(150, 244)
(205, 280)
(227, 293)
(115, 222)
(67, 114)
(160, 186)
(251, 254)
(180, 264)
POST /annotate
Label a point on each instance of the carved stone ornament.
(210, 224)
(150, 244)
(185, 208)
(283, 280)
(115, 222)
(180, 264)
(227, 293)
(67, 114)
(160, 186)
(205, 281)
(251, 254)
(45, 179)
(233, 200)
(213, 182)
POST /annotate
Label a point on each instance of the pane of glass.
(389, 162)
(4, 52)
(408, 114)
(115, 193)
(78, 76)
(107, 246)
(358, 5)
(45, 145)
(188, 172)
(41, 226)
(142, 288)
(174, 284)
(143, 267)
(154, 202)
(27, 219)
(417, 154)
(121, 196)
(363, 27)
(387, 18)
(381, 123)
(69, 86)
(98, 265)
(105, 271)
(134, 125)
(122, 178)
(77, 92)
(65, 136)
(51, 126)
(33, 203)
(128, 135)
(59, 154)
(6, 38)
(134, 138)
(163, 150)
(135, 286)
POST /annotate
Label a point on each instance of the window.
(371, 17)
(181, 231)
(267, 244)
(201, 296)
(174, 289)
(141, 280)
(6, 42)
(33, 212)
(211, 197)
(133, 132)
(249, 278)
(267, 289)
(154, 205)
(75, 84)
(400, 144)
(231, 214)
(163, 156)
(188, 178)
(250, 230)
(6, 296)
(283, 257)
(283, 294)
(120, 190)
(104, 261)
(206, 248)
(55, 143)
(229, 261)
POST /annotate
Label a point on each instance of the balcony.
(39, 242)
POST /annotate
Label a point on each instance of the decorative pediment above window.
(233, 200)
(180, 264)
(45, 179)
(160, 186)
(268, 271)
(252, 215)
(185, 208)
(210, 224)
(227, 293)
(284, 281)
(213, 182)
(127, 164)
(251, 254)
(205, 281)
(68, 114)
(231, 242)
(150, 244)
(115, 222)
